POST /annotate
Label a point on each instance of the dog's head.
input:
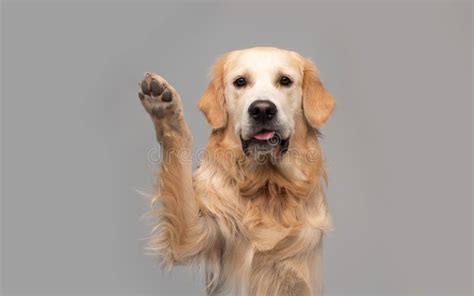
(260, 93)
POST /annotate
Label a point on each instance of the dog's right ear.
(212, 102)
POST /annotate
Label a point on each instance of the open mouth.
(265, 140)
(264, 135)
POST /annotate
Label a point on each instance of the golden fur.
(256, 227)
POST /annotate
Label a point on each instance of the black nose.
(262, 110)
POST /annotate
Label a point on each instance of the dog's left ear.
(212, 102)
(318, 103)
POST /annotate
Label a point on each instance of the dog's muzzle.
(265, 134)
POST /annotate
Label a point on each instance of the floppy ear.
(212, 101)
(318, 104)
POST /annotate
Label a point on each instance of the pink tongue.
(264, 136)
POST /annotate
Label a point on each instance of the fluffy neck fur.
(287, 191)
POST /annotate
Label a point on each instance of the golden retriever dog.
(253, 213)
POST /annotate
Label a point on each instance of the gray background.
(75, 140)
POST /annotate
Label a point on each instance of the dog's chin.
(265, 142)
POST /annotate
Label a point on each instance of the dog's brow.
(283, 73)
(244, 74)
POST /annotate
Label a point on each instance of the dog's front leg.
(179, 235)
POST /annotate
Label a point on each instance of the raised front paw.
(158, 97)
(163, 104)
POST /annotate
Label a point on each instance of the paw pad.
(145, 88)
(167, 96)
(152, 87)
(156, 88)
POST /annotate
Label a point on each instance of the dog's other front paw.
(163, 104)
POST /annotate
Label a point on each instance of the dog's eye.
(240, 82)
(285, 81)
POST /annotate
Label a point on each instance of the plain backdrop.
(76, 143)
